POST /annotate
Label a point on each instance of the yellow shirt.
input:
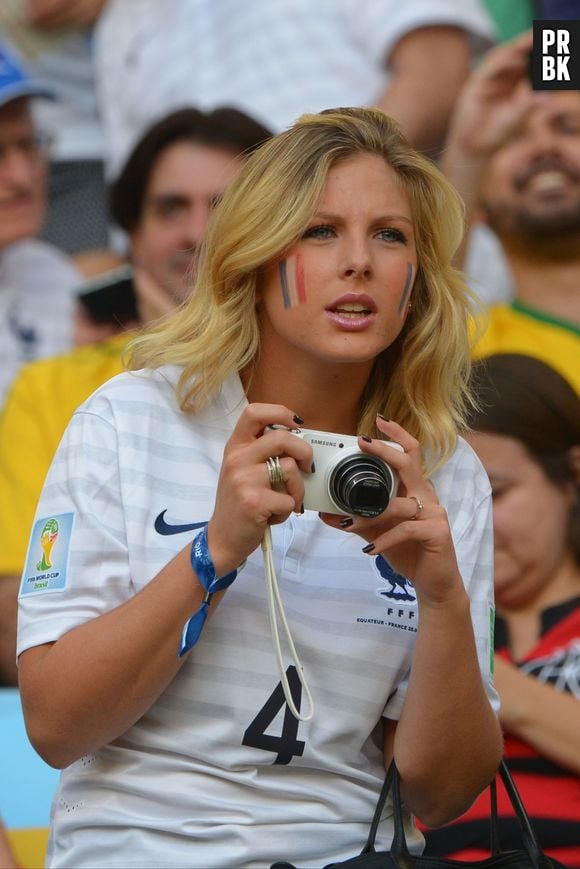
(517, 328)
(37, 411)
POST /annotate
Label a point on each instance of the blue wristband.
(205, 571)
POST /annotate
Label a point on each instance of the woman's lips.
(351, 321)
(352, 312)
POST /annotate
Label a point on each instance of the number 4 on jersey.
(286, 746)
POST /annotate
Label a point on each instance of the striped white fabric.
(274, 60)
(215, 774)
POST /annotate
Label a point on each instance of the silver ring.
(275, 474)
(419, 504)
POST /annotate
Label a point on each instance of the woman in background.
(526, 432)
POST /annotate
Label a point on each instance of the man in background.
(515, 154)
(162, 199)
(54, 38)
(36, 280)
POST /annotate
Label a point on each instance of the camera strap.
(275, 610)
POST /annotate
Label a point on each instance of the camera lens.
(361, 484)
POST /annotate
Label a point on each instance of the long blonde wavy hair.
(422, 379)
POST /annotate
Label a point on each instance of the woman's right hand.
(245, 500)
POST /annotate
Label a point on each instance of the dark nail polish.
(369, 548)
(367, 439)
(298, 419)
(346, 523)
(313, 469)
(302, 508)
(383, 417)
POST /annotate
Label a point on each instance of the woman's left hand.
(413, 532)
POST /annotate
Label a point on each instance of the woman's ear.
(574, 459)
(259, 285)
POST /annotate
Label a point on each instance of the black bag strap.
(399, 847)
(369, 847)
(494, 838)
(529, 840)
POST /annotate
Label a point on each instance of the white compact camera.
(346, 480)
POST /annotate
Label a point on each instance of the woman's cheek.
(292, 281)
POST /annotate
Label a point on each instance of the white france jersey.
(218, 773)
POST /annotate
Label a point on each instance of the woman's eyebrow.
(336, 218)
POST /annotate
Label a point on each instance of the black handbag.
(530, 856)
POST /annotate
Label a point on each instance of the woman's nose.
(357, 260)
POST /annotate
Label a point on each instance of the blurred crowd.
(122, 122)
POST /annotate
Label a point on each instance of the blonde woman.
(325, 299)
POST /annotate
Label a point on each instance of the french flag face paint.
(291, 272)
(406, 289)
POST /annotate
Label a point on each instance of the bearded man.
(514, 154)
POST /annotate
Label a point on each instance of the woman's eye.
(570, 126)
(392, 235)
(167, 209)
(319, 232)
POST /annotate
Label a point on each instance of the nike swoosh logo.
(162, 527)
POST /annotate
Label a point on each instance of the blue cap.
(15, 82)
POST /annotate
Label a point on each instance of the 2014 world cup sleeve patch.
(47, 559)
